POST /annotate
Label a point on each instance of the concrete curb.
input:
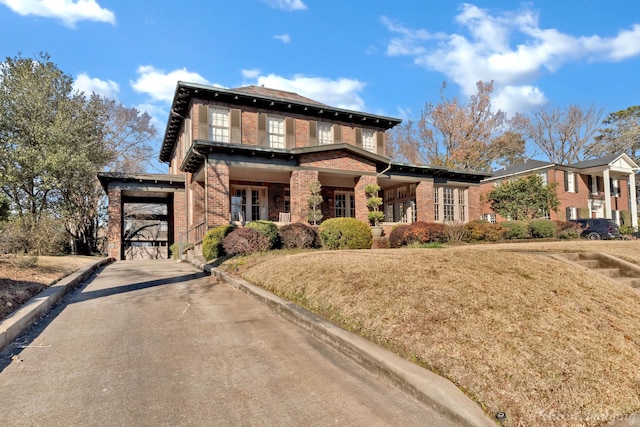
(18, 321)
(425, 386)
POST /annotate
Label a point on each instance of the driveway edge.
(17, 322)
(423, 385)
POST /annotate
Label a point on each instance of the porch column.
(633, 199)
(218, 197)
(424, 201)
(607, 193)
(299, 188)
(360, 197)
(114, 231)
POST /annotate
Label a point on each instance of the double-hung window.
(369, 140)
(275, 132)
(570, 182)
(325, 134)
(219, 124)
(449, 204)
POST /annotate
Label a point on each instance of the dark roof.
(106, 177)
(261, 98)
(600, 161)
(526, 166)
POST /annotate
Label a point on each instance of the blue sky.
(377, 56)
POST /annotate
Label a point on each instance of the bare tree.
(564, 135)
(456, 135)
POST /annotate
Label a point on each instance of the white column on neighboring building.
(633, 199)
(607, 193)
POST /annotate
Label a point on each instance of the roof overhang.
(186, 92)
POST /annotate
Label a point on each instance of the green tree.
(315, 201)
(523, 198)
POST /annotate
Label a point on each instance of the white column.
(607, 193)
(633, 200)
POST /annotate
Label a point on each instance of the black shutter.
(313, 133)
(203, 122)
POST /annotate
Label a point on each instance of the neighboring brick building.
(598, 188)
(249, 153)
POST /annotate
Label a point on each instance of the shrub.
(419, 232)
(454, 231)
(568, 230)
(516, 229)
(174, 249)
(542, 228)
(627, 230)
(212, 243)
(483, 230)
(345, 233)
(242, 241)
(268, 228)
(298, 236)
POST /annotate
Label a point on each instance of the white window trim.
(276, 140)
(325, 133)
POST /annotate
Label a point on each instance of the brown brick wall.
(341, 160)
(218, 197)
(114, 234)
(300, 180)
(475, 207)
(179, 214)
(424, 201)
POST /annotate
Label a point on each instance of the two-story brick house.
(250, 153)
(600, 188)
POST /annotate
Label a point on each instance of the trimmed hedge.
(481, 230)
(268, 228)
(417, 233)
(542, 228)
(298, 236)
(243, 241)
(516, 229)
(345, 233)
(212, 243)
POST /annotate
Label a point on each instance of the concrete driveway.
(151, 343)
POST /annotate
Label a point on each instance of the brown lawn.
(22, 277)
(522, 333)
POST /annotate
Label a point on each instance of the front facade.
(250, 154)
(598, 188)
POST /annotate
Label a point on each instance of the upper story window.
(219, 124)
(543, 176)
(570, 182)
(325, 134)
(275, 132)
(368, 140)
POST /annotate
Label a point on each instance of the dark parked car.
(598, 228)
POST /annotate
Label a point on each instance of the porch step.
(609, 272)
(634, 282)
(588, 263)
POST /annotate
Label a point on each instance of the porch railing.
(192, 237)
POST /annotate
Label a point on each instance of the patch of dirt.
(21, 278)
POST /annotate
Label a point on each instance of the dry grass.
(518, 332)
(22, 277)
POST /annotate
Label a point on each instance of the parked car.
(598, 228)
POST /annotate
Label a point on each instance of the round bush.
(243, 241)
(212, 243)
(516, 229)
(297, 236)
(542, 228)
(482, 230)
(268, 228)
(345, 233)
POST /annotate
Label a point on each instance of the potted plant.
(374, 202)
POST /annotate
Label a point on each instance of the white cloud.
(284, 38)
(288, 5)
(161, 85)
(487, 51)
(250, 74)
(68, 11)
(89, 85)
(340, 93)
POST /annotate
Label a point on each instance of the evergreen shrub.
(345, 233)
(268, 228)
(419, 232)
(212, 243)
(516, 229)
(480, 230)
(542, 228)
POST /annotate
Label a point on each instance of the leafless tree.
(564, 135)
(467, 136)
(621, 134)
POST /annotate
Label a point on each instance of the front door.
(249, 203)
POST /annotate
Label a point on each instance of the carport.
(142, 224)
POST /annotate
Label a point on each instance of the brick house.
(600, 188)
(237, 155)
